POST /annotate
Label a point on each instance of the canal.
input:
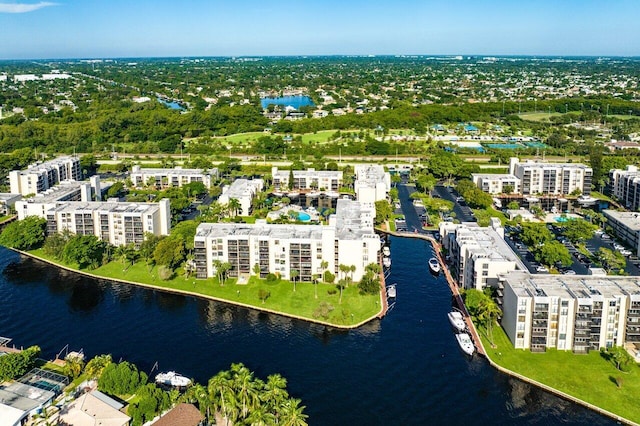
(403, 370)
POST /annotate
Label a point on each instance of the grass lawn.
(600, 196)
(588, 377)
(354, 308)
(484, 215)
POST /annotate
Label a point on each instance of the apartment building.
(176, 177)
(625, 186)
(478, 255)
(7, 202)
(66, 191)
(496, 184)
(39, 177)
(114, 222)
(349, 239)
(310, 179)
(626, 226)
(570, 312)
(372, 183)
(243, 190)
(551, 178)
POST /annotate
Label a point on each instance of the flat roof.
(242, 187)
(48, 164)
(119, 207)
(55, 193)
(5, 196)
(529, 164)
(310, 173)
(174, 171)
(495, 176)
(488, 244)
(629, 219)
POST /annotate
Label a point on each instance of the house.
(93, 408)
(183, 415)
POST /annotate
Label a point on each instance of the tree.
(14, 365)
(96, 365)
(328, 277)
(342, 283)
(73, 367)
(611, 260)
(445, 164)
(578, 230)
(116, 190)
(54, 244)
(383, 211)
(620, 358)
(508, 189)
(120, 379)
(25, 234)
(294, 274)
(291, 413)
(553, 252)
(513, 205)
(535, 234)
(234, 206)
(169, 252)
(85, 251)
(194, 189)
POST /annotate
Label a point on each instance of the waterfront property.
(478, 255)
(570, 312)
(176, 177)
(7, 202)
(349, 239)
(372, 183)
(92, 408)
(39, 177)
(310, 179)
(625, 186)
(626, 226)
(64, 192)
(536, 177)
(242, 190)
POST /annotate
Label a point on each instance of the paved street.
(463, 212)
(414, 224)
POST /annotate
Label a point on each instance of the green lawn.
(588, 377)
(483, 215)
(354, 308)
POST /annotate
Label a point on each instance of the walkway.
(383, 292)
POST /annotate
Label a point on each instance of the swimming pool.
(561, 219)
(303, 217)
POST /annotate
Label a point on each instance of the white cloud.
(22, 7)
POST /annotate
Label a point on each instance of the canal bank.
(478, 341)
(376, 316)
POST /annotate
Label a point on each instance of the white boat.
(434, 265)
(386, 251)
(391, 291)
(171, 378)
(386, 262)
(466, 344)
(457, 320)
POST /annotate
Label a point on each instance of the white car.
(541, 269)
(569, 272)
(625, 252)
(618, 247)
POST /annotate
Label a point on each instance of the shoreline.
(377, 315)
(483, 353)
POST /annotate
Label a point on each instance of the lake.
(405, 369)
(294, 101)
(171, 104)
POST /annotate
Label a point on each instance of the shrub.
(165, 273)
(263, 294)
(323, 310)
(271, 278)
(332, 291)
(328, 277)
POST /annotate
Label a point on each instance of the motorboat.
(386, 262)
(465, 342)
(434, 265)
(391, 291)
(171, 378)
(386, 251)
(457, 320)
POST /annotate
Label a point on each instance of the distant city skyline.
(163, 28)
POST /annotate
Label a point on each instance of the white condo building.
(479, 255)
(535, 177)
(571, 312)
(65, 191)
(625, 186)
(349, 239)
(176, 177)
(310, 179)
(243, 190)
(39, 177)
(372, 183)
(115, 222)
(626, 226)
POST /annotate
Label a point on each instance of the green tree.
(121, 379)
(291, 413)
(553, 252)
(54, 244)
(85, 251)
(294, 274)
(611, 260)
(234, 206)
(383, 211)
(169, 252)
(25, 234)
(535, 234)
(445, 164)
(513, 205)
(577, 230)
(14, 365)
(96, 365)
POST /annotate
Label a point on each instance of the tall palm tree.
(260, 416)
(275, 392)
(292, 414)
(489, 312)
(294, 274)
(342, 283)
(200, 395)
(234, 206)
(221, 394)
(245, 388)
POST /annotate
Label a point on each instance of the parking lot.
(460, 208)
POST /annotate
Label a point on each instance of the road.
(414, 224)
(463, 213)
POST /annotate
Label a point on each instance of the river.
(404, 369)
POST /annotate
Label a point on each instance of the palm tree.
(489, 312)
(275, 392)
(352, 270)
(291, 413)
(245, 387)
(260, 416)
(344, 269)
(234, 206)
(294, 274)
(221, 394)
(96, 366)
(198, 394)
(341, 285)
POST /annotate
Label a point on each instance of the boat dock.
(383, 292)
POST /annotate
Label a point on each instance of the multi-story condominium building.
(497, 184)
(310, 179)
(114, 222)
(570, 312)
(38, 178)
(243, 190)
(65, 191)
(176, 177)
(626, 226)
(533, 177)
(349, 239)
(7, 202)
(625, 186)
(551, 178)
(478, 255)
(372, 183)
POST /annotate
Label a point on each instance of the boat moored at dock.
(457, 321)
(465, 343)
(171, 378)
(434, 265)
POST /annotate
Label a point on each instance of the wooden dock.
(383, 292)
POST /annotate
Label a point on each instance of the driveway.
(463, 212)
(413, 222)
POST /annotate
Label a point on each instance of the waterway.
(404, 369)
(294, 101)
(171, 104)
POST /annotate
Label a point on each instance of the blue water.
(504, 145)
(561, 219)
(403, 370)
(303, 217)
(295, 101)
(171, 104)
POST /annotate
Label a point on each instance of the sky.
(167, 28)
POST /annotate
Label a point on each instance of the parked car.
(569, 272)
(541, 269)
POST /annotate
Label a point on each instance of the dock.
(383, 292)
